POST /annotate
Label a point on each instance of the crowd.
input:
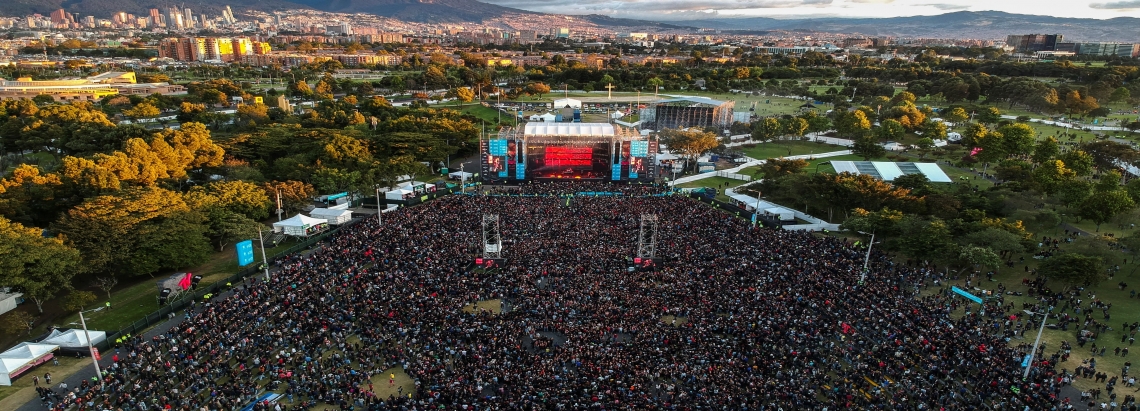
(757, 319)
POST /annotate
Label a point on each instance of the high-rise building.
(187, 18)
(1029, 43)
(59, 17)
(155, 18)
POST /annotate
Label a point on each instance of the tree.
(766, 129)
(1102, 206)
(956, 115)
(988, 115)
(227, 226)
(142, 110)
(977, 257)
(36, 265)
(934, 130)
(1108, 154)
(891, 130)
(252, 114)
(17, 322)
(176, 241)
(1051, 175)
(924, 240)
(1079, 161)
(853, 124)
(883, 222)
(1072, 270)
(1046, 150)
(464, 94)
(538, 89)
(106, 283)
(868, 148)
(43, 99)
(974, 134)
(1120, 94)
(691, 144)
(295, 195)
(1017, 138)
(106, 229)
(300, 89)
(78, 300)
(779, 167)
(794, 126)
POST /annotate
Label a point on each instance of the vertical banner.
(651, 160)
(245, 253)
(637, 153)
(484, 157)
(497, 157)
(615, 162)
(520, 165)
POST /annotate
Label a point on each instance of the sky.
(686, 9)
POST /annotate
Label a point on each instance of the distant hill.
(419, 11)
(963, 24)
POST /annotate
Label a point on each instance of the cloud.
(1117, 5)
(944, 6)
(872, 1)
(659, 6)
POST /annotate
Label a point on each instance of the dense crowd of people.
(738, 317)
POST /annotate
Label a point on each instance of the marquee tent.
(22, 358)
(567, 102)
(300, 225)
(8, 301)
(782, 213)
(399, 194)
(333, 216)
(74, 338)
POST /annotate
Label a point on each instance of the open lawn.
(778, 149)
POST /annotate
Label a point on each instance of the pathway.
(755, 162)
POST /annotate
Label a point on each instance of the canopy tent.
(74, 338)
(782, 213)
(399, 194)
(22, 358)
(460, 175)
(8, 301)
(300, 225)
(333, 216)
(567, 102)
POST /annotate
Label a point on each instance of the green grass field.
(777, 149)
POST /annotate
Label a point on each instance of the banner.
(245, 253)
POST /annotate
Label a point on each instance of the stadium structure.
(580, 151)
(687, 111)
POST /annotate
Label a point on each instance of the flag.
(186, 281)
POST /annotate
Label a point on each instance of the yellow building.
(60, 90)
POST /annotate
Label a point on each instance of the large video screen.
(568, 156)
(589, 161)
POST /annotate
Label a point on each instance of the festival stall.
(22, 358)
(300, 226)
(333, 216)
(74, 340)
(399, 194)
(9, 300)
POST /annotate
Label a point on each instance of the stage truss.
(492, 241)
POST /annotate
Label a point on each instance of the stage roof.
(691, 99)
(888, 171)
(568, 129)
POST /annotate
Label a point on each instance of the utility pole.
(379, 210)
(264, 259)
(91, 350)
(1035, 343)
(279, 209)
(867, 258)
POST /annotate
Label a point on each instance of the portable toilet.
(577, 115)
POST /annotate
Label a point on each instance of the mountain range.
(963, 24)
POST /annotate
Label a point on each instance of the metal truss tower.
(647, 237)
(492, 241)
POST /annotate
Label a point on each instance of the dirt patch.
(492, 306)
(674, 321)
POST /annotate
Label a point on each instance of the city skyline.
(696, 9)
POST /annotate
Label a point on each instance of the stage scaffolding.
(685, 112)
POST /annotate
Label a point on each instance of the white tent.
(8, 301)
(460, 175)
(333, 216)
(74, 338)
(563, 102)
(22, 358)
(782, 213)
(398, 194)
(300, 225)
